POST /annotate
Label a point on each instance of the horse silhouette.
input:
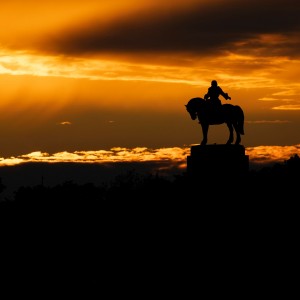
(208, 114)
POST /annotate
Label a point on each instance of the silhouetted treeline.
(73, 234)
(132, 187)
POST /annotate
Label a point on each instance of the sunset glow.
(172, 157)
(76, 76)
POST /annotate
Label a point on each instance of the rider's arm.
(225, 95)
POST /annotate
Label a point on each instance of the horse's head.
(193, 107)
(191, 111)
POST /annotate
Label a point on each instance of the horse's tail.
(240, 120)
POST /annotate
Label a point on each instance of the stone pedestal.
(216, 159)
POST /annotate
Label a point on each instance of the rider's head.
(214, 83)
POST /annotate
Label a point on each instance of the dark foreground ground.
(148, 236)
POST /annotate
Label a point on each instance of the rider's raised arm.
(225, 95)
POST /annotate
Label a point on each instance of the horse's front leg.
(230, 139)
(204, 133)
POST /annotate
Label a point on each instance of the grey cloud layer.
(202, 30)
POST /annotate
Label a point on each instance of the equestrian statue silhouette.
(211, 114)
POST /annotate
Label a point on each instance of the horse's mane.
(196, 101)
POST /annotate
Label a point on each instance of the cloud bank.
(268, 28)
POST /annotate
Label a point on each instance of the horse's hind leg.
(204, 133)
(230, 139)
(238, 136)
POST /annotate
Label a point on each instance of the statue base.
(216, 159)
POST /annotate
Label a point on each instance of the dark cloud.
(226, 25)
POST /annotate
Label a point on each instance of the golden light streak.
(272, 154)
(175, 156)
(287, 107)
(25, 63)
(268, 122)
(116, 154)
(21, 63)
(269, 99)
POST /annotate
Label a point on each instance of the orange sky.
(98, 75)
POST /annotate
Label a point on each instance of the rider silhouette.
(214, 91)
